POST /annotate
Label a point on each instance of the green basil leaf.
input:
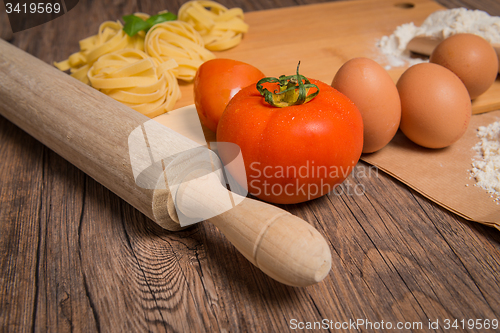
(128, 18)
(159, 18)
(134, 24)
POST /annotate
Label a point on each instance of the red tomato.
(295, 153)
(216, 82)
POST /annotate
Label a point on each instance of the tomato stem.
(293, 90)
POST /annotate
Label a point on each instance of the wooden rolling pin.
(426, 44)
(91, 131)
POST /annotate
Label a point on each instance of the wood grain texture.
(75, 257)
(5, 29)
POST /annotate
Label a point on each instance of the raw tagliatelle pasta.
(135, 79)
(221, 28)
(177, 40)
(109, 38)
(142, 71)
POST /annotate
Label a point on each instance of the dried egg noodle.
(109, 38)
(142, 71)
(221, 28)
(135, 79)
(177, 40)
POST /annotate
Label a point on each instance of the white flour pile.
(486, 170)
(441, 24)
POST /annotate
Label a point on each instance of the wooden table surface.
(75, 257)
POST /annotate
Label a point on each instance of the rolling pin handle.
(283, 246)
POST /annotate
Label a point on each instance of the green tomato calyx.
(293, 90)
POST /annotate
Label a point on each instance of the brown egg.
(471, 58)
(372, 90)
(435, 105)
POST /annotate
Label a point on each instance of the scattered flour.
(441, 24)
(486, 170)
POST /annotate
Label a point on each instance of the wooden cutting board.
(324, 36)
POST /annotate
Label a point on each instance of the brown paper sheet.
(442, 175)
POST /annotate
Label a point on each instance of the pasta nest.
(221, 28)
(135, 79)
(177, 40)
(142, 71)
(110, 38)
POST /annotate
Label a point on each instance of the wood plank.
(61, 300)
(21, 195)
(5, 29)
